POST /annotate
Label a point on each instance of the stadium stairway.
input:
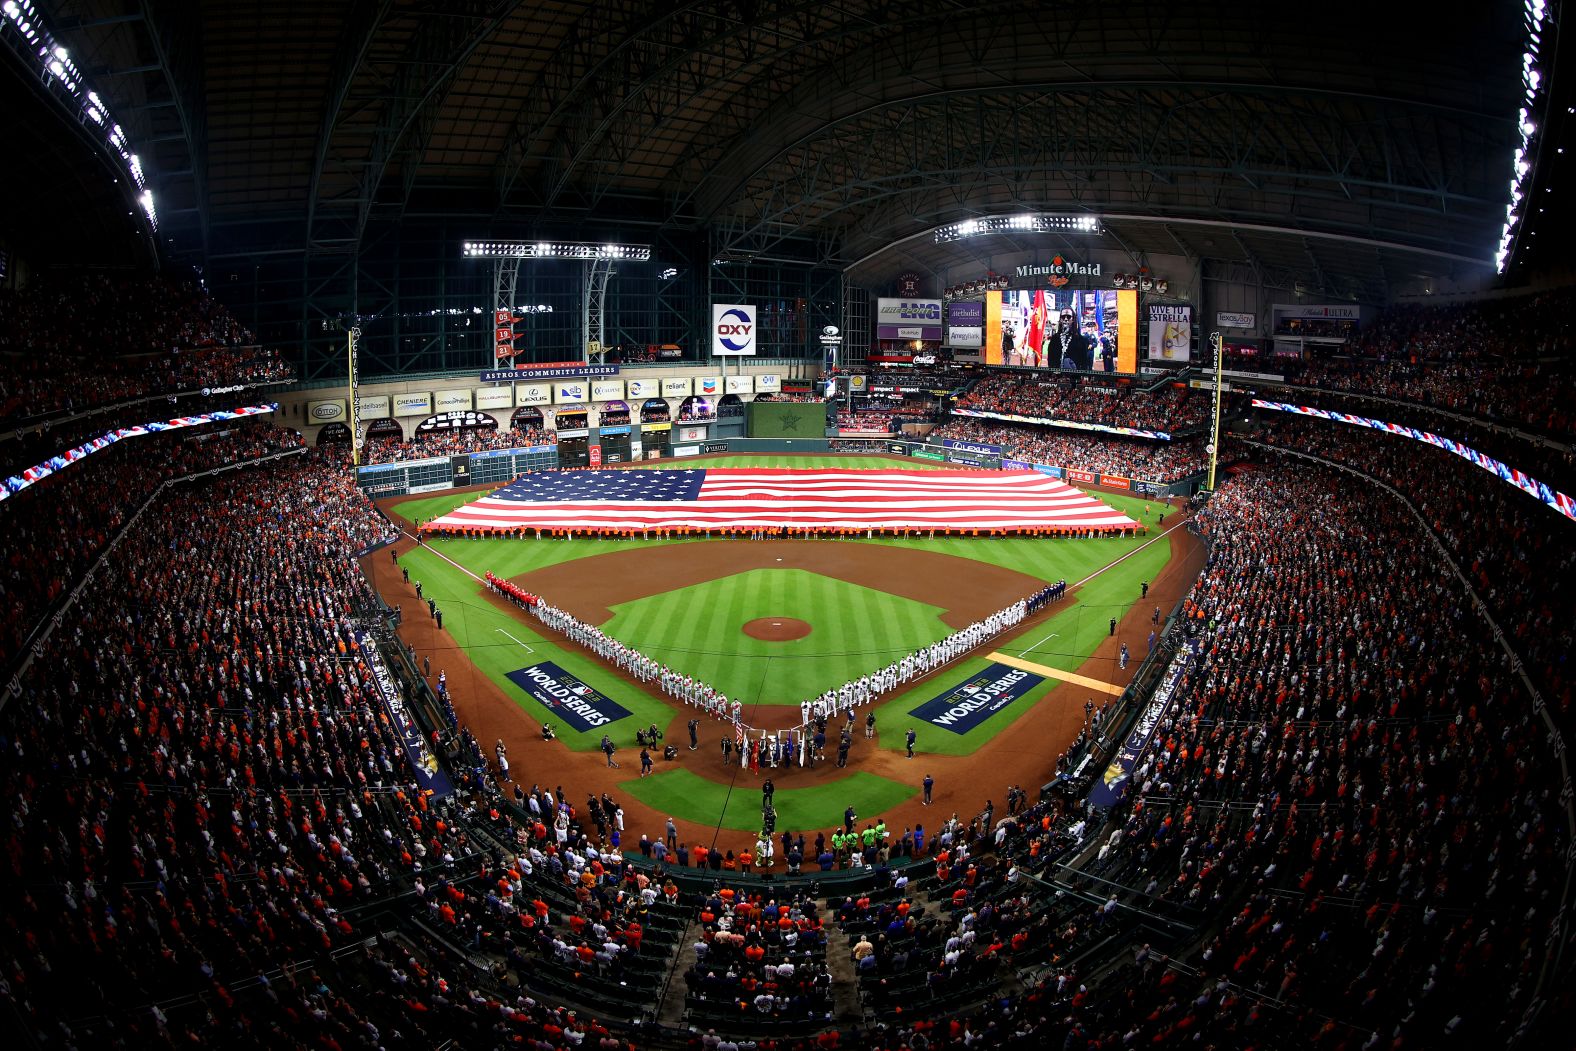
(848, 1010)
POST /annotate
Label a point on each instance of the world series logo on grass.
(968, 704)
(567, 697)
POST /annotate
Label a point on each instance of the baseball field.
(772, 622)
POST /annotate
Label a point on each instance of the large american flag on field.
(732, 498)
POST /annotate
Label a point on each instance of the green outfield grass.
(684, 794)
(697, 630)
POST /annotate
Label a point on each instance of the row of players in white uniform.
(921, 662)
(843, 698)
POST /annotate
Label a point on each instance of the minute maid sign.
(1059, 267)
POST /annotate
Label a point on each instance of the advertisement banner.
(607, 390)
(676, 388)
(533, 394)
(709, 386)
(1115, 481)
(1118, 775)
(494, 398)
(691, 434)
(567, 392)
(1337, 312)
(968, 704)
(429, 775)
(1230, 319)
(1170, 331)
(648, 427)
(977, 447)
(908, 319)
(1075, 475)
(546, 370)
(458, 400)
(732, 329)
(768, 384)
(858, 384)
(1072, 425)
(413, 404)
(326, 411)
(372, 406)
(595, 453)
(739, 385)
(608, 432)
(641, 389)
(929, 454)
(966, 325)
(1016, 465)
(1054, 472)
(566, 697)
(1554, 499)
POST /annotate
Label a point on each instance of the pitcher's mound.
(777, 629)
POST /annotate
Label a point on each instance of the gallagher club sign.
(1059, 270)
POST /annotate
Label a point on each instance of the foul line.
(514, 640)
(467, 572)
(1102, 569)
(1098, 685)
(1130, 554)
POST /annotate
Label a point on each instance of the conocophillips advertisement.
(457, 400)
(908, 319)
(965, 324)
(1170, 331)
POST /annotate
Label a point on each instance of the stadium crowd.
(1169, 410)
(424, 444)
(1127, 457)
(56, 527)
(1501, 360)
(73, 342)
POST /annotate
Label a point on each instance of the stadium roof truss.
(1266, 135)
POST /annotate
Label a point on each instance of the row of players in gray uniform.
(921, 662)
(843, 698)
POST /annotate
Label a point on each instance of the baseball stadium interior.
(748, 524)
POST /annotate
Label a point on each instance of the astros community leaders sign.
(567, 697)
(965, 706)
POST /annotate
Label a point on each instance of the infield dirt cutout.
(589, 587)
(776, 629)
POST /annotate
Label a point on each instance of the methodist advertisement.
(908, 319)
(733, 329)
(1170, 332)
(1091, 330)
(966, 325)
